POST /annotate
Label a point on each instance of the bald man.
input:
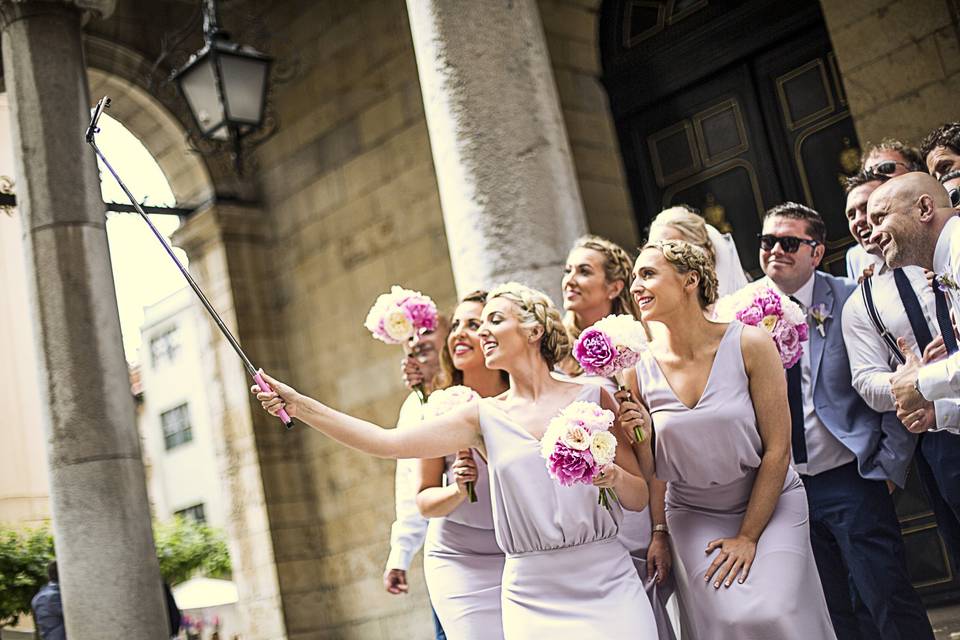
(914, 224)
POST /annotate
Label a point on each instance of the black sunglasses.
(954, 197)
(789, 244)
(888, 168)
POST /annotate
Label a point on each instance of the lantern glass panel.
(244, 82)
(199, 85)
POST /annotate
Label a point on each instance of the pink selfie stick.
(92, 130)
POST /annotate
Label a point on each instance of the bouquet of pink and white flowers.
(398, 316)
(762, 306)
(609, 347)
(444, 401)
(578, 445)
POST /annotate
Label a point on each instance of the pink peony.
(594, 351)
(788, 341)
(752, 315)
(570, 466)
(422, 311)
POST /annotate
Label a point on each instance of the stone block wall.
(900, 62)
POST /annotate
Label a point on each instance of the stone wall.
(572, 39)
(900, 62)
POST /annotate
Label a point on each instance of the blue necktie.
(911, 304)
(943, 320)
(798, 434)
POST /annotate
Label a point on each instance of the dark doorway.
(734, 107)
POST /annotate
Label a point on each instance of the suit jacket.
(879, 441)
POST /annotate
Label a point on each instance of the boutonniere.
(819, 314)
(945, 283)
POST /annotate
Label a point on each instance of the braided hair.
(687, 257)
(535, 308)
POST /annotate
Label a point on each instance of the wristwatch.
(661, 528)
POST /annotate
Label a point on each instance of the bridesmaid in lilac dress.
(596, 283)
(462, 563)
(565, 575)
(737, 511)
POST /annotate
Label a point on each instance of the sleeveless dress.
(566, 574)
(635, 534)
(709, 457)
(463, 565)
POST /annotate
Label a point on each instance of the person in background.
(889, 158)
(941, 150)
(684, 223)
(420, 365)
(48, 608)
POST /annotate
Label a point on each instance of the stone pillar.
(101, 522)
(510, 198)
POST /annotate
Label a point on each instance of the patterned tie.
(911, 304)
(943, 319)
(798, 435)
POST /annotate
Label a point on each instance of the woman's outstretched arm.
(434, 438)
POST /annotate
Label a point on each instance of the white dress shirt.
(871, 362)
(410, 528)
(824, 450)
(858, 260)
(941, 379)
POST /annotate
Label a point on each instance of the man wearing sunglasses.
(941, 149)
(888, 304)
(844, 451)
(914, 224)
(951, 182)
(890, 158)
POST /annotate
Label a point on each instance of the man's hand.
(904, 381)
(395, 581)
(934, 351)
(923, 419)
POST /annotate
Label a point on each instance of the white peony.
(398, 324)
(553, 433)
(443, 401)
(576, 437)
(603, 447)
(624, 331)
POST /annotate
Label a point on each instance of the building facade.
(387, 143)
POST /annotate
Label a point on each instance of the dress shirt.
(858, 260)
(824, 450)
(871, 362)
(410, 528)
(941, 379)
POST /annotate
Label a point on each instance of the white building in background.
(178, 446)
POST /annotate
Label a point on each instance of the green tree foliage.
(24, 555)
(184, 548)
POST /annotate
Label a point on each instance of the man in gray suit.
(845, 452)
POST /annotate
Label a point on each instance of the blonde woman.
(737, 511)
(596, 283)
(683, 223)
(565, 574)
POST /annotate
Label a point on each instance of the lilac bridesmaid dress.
(635, 534)
(566, 574)
(709, 457)
(463, 565)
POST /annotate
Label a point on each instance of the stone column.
(510, 198)
(109, 574)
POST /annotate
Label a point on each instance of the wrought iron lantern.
(225, 84)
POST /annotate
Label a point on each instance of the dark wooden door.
(733, 107)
